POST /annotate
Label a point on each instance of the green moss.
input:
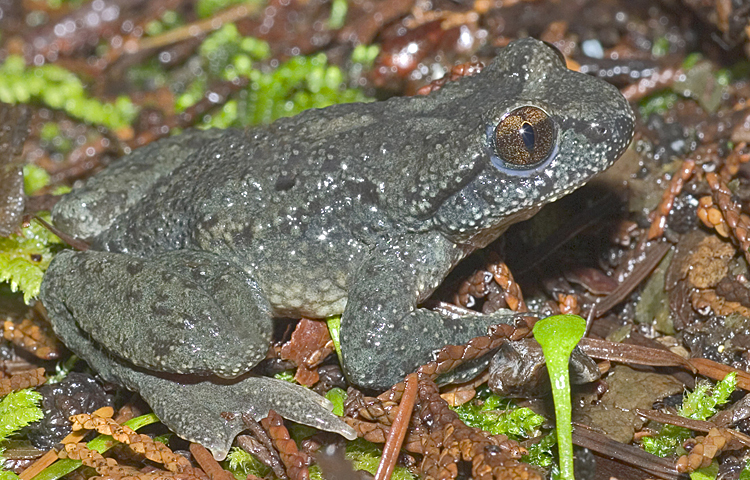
(148, 75)
(338, 14)
(661, 47)
(34, 178)
(55, 4)
(242, 464)
(300, 83)
(700, 404)
(209, 8)
(287, 376)
(365, 456)
(223, 46)
(667, 442)
(169, 20)
(365, 55)
(658, 103)
(59, 88)
(498, 416)
(541, 453)
(24, 257)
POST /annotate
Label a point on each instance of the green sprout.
(558, 335)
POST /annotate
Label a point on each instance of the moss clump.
(17, 409)
(59, 88)
(209, 8)
(700, 404)
(300, 83)
(498, 416)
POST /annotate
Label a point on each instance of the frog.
(200, 241)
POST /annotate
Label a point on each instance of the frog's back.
(345, 171)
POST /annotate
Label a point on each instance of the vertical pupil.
(527, 134)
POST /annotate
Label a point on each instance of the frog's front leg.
(384, 336)
(181, 312)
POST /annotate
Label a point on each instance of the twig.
(398, 429)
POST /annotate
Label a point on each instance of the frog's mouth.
(489, 235)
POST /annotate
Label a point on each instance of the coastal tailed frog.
(199, 241)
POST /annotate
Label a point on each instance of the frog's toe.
(210, 413)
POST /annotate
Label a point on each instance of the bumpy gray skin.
(360, 209)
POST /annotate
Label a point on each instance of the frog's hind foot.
(210, 413)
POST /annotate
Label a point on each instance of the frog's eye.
(525, 137)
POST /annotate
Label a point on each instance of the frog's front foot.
(384, 336)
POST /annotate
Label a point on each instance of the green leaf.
(337, 396)
(708, 473)
(24, 258)
(18, 409)
(8, 475)
(745, 473)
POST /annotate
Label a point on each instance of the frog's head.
(558, 129)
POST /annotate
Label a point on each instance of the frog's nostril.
(597, 130)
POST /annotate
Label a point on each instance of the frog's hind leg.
(206, 410)
(184, 312)
(88, 211)
(178, 312)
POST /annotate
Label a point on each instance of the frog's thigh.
(178, 312)
(384, 336)
(205, 411)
